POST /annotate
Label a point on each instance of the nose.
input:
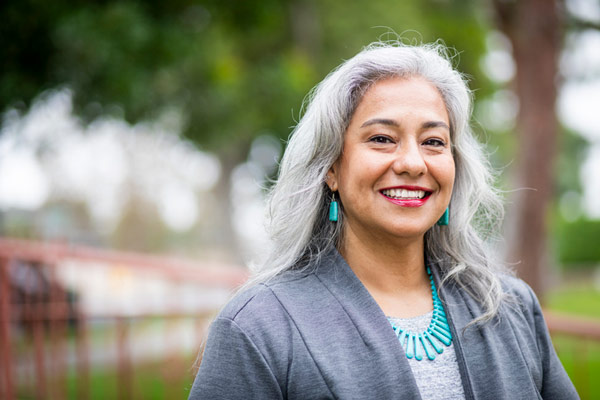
(409, 160)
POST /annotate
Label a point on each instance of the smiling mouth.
(404, 194)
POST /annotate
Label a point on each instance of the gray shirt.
(320, 335)
(437, 379)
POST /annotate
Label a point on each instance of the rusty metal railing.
(575, 339)
(67, 312)
(53, 339)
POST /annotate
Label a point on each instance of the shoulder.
(515, 286)
(521, 304)
(522, 309)
(260, 305)
(518, 291)
(246, 300)
(261, 319)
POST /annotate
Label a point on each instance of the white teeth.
(404, 194)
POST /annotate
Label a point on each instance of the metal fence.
(577, 342)
(84, 323)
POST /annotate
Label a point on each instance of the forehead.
(402, 94)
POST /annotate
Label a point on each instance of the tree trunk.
(534, 29)
(223, 237)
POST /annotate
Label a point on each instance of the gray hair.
(298, 202)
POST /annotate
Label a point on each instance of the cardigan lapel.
(484, 351)
(375, 366)
(371, 323)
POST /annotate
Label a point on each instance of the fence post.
(124, 370)
(37, 310)
(83, 362)
(58, 315)
(6, 389)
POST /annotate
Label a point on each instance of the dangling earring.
(333, 209)
(443, 221)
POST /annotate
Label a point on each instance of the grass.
(582, 300)
(171, 379)
(168, 378)
(580, 357)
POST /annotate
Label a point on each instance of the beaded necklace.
(428, 342)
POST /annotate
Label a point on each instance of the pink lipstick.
(394, 195)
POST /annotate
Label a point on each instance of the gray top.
(437, 379)
(320, 335)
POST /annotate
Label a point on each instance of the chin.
(408, 233)
(410, 228)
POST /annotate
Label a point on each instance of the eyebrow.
(391, 122)
(380, 121)
(435, 124)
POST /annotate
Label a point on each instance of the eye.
(381, 139)
(435, 142)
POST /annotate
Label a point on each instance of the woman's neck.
(393, 272)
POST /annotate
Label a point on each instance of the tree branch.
(581, 25)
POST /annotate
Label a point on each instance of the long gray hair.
(298, 202)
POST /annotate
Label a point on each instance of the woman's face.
(396, 172)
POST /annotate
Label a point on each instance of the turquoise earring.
(333, 209)
(443, 221)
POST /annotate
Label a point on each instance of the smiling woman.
(380, 283)
(396, 172)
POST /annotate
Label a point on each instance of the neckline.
(431, 340)
(428, 314)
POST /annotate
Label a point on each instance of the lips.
(407, 196)
(404, 194)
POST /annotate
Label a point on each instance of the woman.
(379, 285)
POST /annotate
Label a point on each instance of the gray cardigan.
(320, 335)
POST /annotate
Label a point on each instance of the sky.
(579, 104)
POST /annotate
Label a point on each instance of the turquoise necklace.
(428, 342)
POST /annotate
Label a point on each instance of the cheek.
(450, 174)
(444, 172)
(362, 173)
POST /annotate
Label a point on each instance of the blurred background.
(138, 139)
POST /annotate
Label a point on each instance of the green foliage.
(572, 150)
(577, 242)
(232, 71)
(26, 48)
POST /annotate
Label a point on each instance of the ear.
(331, 178)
